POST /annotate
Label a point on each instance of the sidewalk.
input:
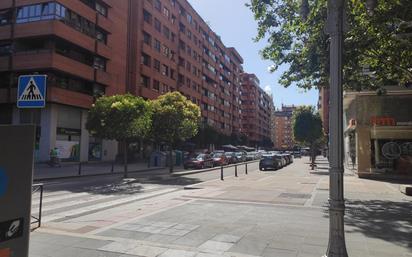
(264, 214)
(43, 171)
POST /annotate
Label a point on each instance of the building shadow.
(386, 220)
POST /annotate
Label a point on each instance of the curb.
(92, 175)
(210, 169)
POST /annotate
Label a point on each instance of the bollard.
(235, 170)
(80, 168)
(221, 172)
(246, 168)
(112, 170)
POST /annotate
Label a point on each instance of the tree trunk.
(171, 160)
(125, 149)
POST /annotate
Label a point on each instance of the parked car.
(231, 157)
(199, 161)
(219, 159)
(250, 156)
(297, 154)
(240, 156)
(270, 161)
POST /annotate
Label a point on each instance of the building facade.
(282, 125)
(323, 108)
(378, 132)
(89, 48)
(256, 109)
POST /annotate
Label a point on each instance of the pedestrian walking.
(55, 157)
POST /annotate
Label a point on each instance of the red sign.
(383, 121)
(5, 252)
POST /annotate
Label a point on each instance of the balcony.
(103, 77)
(64, 96)
(47, 59)
(5, 32)
(104, 50)
(4, 4)
(104, 23)
(54, 27)
(4, 63)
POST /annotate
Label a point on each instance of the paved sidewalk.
(263, 214)
(44, 171)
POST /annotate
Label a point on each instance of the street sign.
(16, 175)
(31, 92)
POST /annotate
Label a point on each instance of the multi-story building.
(282, 124)
(323, 108)
(88, 48)
(180, 52)
(256, 108)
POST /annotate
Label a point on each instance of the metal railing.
(37, 188)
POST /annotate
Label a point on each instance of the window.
(156, 85)
(156, 45)
(173, 37)
(188, 82)
(99, 63)
(101, 36)
(188, 66)
(166, 32)
(182, 28)
(189, 18)
(5, 16)
(5, 48)
(166, 12)
(146, 59)
(165, 70)
(173, 2)
(101, 9)
(181, 79)
(147, 16)
(173, 74)
(173, 19)
(189, 34)
(147, 38)
(181, 62)
(165, 50)
(145, 81)
(158, 5)
(157, 25)
(156, 65)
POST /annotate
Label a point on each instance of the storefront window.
(68, 133)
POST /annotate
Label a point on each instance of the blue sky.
(235, 24)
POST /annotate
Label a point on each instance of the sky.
(234, 23)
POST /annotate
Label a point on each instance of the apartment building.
(256, 108)
(89, 48)
(179, 51)
(282, 124)
(323, 108)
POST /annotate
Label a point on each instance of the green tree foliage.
(175, 119)
(124, 118)
(307, 128)
(378, 46)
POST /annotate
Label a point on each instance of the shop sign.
(69, 131)
(382, 121)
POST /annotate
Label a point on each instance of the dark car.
(219, 159)
(297, 154)
(231, 157)
(270, 162)
(199, 161)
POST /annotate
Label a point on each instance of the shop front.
(378, 137)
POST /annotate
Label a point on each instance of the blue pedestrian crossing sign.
(31, 92)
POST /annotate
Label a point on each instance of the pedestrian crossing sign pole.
(31, 91)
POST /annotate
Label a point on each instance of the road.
(262, 214)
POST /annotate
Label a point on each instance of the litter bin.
(179, 157)
(157, 159)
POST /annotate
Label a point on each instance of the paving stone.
(207, 255)
(194, 238)
(226, 238)
(174, 232)
(119, 247)
(250, 245)
(163, 224)
(164, 239)
(215, 246)
(177, 253)
(92, 243)
(147, 251)
(186, 227)
(271, 252)
(124, 234)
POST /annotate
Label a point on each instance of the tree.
(378, 47)
(307, 128)
(175, 119)
(124, 118)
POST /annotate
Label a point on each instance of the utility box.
(16, 176)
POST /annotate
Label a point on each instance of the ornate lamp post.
(335, 28)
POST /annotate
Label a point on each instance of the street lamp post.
(335, 28)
